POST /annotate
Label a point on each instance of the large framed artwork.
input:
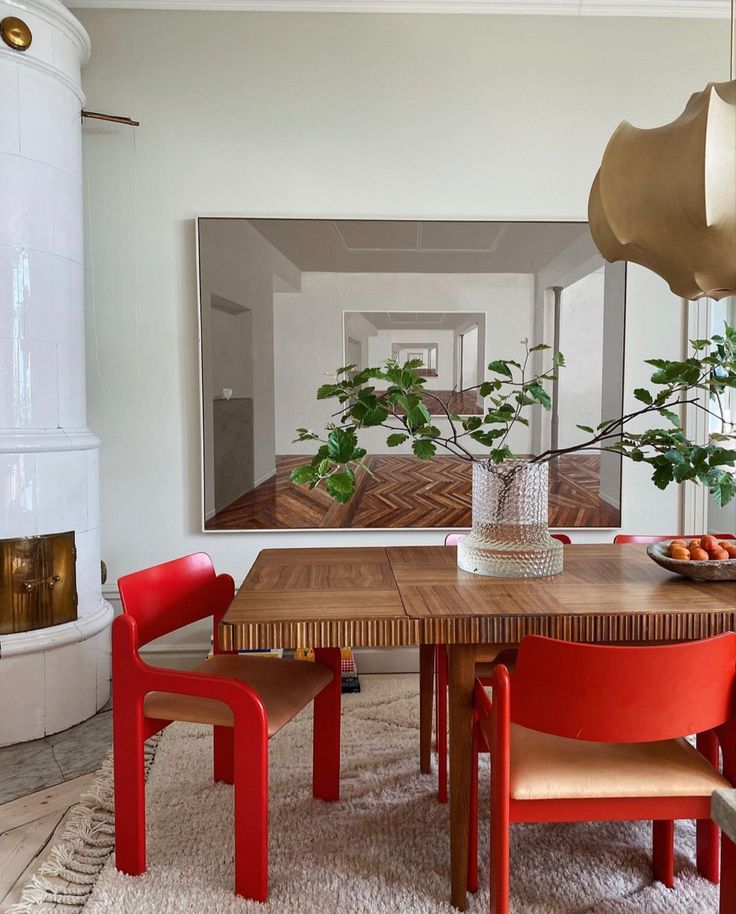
(282, 302)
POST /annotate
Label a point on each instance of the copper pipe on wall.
(110, 117)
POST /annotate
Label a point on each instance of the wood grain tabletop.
(384, 597)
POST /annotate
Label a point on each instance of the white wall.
(471, 372)
(613, 374)
(339, 115)
(581, 342)
(573, 263)
(721, 520)
(309, 337)
(655, 328)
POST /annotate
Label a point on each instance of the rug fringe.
(66, 878)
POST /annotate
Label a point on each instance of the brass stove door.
(38, 582)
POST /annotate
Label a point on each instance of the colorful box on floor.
(349, 671)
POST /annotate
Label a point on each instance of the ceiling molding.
(697, 9)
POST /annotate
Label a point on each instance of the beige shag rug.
(383, 849)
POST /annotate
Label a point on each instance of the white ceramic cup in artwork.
(227, 392)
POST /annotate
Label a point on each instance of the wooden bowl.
(710, 570)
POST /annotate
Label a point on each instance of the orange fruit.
(699, 555)
(678, 543)
(730, 549)
(693, 544)
(679, 552)
(719, 554)
(709, 543)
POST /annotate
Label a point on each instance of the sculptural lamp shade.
(665, 198)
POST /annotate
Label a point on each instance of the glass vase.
(509, 537)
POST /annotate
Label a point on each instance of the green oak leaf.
(341, 445)
(424, 449)
(500, 366)
(540, 395)
(341, 486)
(304, 475)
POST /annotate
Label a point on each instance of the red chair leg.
(251, 813)
(437, 649)
(707, 840)
(473, 821)
(224, 753)
(499, 866)
(129, 788)
(326, 748)
(663, 851)
(728, 876)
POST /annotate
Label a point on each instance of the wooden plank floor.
(405, 492)
(29, 828)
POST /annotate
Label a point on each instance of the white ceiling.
(378, 246)
(418, 320)
(668, 8)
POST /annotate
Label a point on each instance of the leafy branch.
(509, 394)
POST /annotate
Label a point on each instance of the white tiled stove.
(51, 678)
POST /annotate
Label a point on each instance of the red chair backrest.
(646, 538)
(173, 594)
(452, 539)
(623, 694)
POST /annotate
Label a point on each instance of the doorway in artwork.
(432, 339)
(471, 371)
(231, 399)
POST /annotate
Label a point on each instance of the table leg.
(461, 677)
(426, 690)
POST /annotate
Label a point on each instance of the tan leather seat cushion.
(284, 686)
(545, 767)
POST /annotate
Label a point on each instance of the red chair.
(246, 699)
(487, 658)
(573, 740)
(706, 742)
(621, 538)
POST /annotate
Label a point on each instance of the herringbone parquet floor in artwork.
(404, 492)
(464, 403)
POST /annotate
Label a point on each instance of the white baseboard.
(264, 478)
(611, 501)
(386, 660)
(175, 657)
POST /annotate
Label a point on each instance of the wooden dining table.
(416, 595)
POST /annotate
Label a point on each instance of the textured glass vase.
(510, 538)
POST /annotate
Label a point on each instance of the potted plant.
(509, 536)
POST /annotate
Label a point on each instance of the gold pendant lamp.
(666, 198)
